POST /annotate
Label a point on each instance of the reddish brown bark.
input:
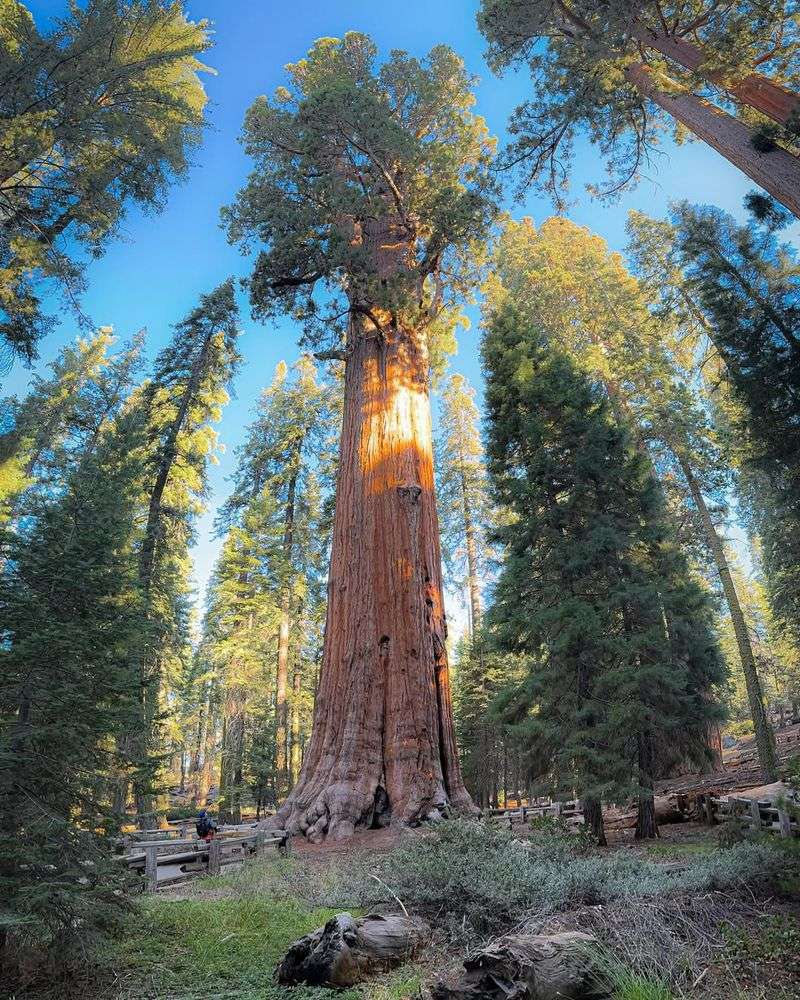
(777, 172)
(383, 744)
(754, 90)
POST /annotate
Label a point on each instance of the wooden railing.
(162, 865)
(570, 812)
(760, 815)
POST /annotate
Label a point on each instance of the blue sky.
(153, 274)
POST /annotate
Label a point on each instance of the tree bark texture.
(777, 172)
(347, 951)
(593, 818)
(754, 90)
(383, 741)
(646, 826)
(765, 739)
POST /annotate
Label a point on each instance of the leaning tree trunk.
(755, 90)
(382, 744)
(765, 740)
(777, 172)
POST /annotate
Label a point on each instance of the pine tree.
(583, 296)
(71, 616)
(100, 112)
(594, 592)
(461, 492)
(180, 403)
(739, 286)
(623, 74)
(63, 413)
(373, 184)
(270, 575)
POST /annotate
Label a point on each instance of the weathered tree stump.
(529, 967)
(346, 950)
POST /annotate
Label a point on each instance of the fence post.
(151, 867)
(261, 844)
(184, 830)
(708, 809)
(784, 823)
(755, 813)
(214, 856)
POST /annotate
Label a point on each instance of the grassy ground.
(225, 943)
(222, 937)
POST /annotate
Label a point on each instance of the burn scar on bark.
(410, 492)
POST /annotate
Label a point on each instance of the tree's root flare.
(340, 809)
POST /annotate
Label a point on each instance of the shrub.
(480, 875)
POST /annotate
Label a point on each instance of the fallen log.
(529, 967)
(347, 951)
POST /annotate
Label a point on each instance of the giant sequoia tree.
(623, 73)
(369, 200)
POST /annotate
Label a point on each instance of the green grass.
(226, 948)
(666, 849)
(635, 988)
(226, 943)
(624, 984)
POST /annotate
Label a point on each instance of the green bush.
(481, 875)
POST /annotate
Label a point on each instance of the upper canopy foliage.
(578, 53)
(99, 111)
(371, 183)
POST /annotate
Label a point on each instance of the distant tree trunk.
(383, 741)
(593, 819)
(232, 756)
(472, 558)
(754, 90)
(777, 172)
(765, 739)
(294, 764)
(646, 828)
(208, 747)
(282, 672)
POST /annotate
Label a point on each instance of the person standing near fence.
(206, 826)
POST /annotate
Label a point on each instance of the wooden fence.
(163, 862)
(761, 815)
(570, 812)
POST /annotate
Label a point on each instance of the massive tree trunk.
(777, 172)
(754, 90)
(765, 740)
(282, 671)
(383, 743)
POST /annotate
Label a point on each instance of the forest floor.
(222, 937)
